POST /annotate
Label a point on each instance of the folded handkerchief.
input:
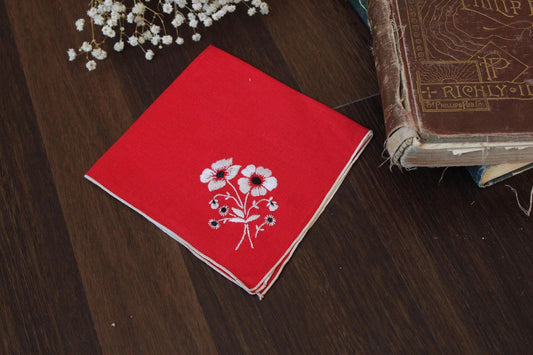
(232, 164)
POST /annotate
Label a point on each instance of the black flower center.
(214, 223)
(223, 209)
(270, 219)
(256, 180)
(221, 174)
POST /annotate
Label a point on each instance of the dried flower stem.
(113, 16)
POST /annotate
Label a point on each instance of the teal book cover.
(487, 175)
(361, 8)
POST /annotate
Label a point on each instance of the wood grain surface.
(400, 262)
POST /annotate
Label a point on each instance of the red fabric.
(223, 110)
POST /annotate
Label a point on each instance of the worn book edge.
(391, 76)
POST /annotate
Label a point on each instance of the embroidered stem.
(228, 196)
(258, 229)
(249, 237)
(254, 205)
(241, 205)
(224, 220)
(242, 238)
(246, 232)
(244, 206)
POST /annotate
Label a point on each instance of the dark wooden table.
(399, 262)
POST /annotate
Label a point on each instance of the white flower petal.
(216, 184)
(232, 172)
(248, 171)
(244, 185)
(149, 55)
(258, 191)
(263, 172)
(207, 175)
(222, 164)
(270, 183)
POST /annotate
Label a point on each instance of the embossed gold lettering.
(521, 90)
(515, 6)
(480, 91)
(458, 91)
(496, 90)
(501, 88)
(492, 64)
(448, 92)
(530, 2)
(501, 7)
(507, 8)
(485, 4)
(525, 90)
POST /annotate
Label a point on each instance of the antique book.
(456, 80)
(234, 165)
(483, 175)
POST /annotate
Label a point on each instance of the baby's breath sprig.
(150, 24)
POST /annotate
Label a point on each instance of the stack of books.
(456, 82)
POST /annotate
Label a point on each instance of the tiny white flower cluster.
(149, 23)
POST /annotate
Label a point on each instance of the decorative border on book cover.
(461, 68)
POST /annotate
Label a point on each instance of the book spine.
(399, 121)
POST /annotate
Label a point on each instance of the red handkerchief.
(232, 164)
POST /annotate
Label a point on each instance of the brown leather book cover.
(456, 79)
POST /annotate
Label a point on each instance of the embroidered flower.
(258, 181)
(223, 210)
(214, 203)
(270, 220)
(213, 223)
(238, 207)
(272, 205)
(220, 172)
